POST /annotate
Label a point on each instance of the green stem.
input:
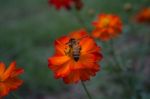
(86, 90)
(79, 19)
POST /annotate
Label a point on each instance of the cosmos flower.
(107, 27)
(8, 78)
(61, 3)
(143, 16)
(76, 57)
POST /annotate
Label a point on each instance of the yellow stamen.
(105, 22)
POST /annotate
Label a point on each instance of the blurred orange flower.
(61, 3)
(76, 57)
(143, 15)
(8, 78)
(107, 27)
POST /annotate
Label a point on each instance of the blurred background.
(28, 29)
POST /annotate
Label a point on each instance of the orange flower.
(107, 27)
(143, 15)
(8, 78)
(76, 57)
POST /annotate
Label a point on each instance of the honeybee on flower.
(74, 48)
(76, 57)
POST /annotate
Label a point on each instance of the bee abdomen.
(76, 57)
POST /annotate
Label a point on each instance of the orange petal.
(60, 47)
(13, 83)
(78, 34)
(58, 60)
(96, 68)
(96, 33)
(8, 71)
(73, 77)
(112, 31)
(88, 46)
(17, 72)
(77, 65)
(63, 39)
(85, 75)
(95, 23)
(105, 36)
(88, 60)
(115, 21)
(3, 90)
(2, 68)
(63, 70)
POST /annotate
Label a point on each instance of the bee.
(74, 48)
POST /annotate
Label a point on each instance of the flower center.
(105, 22)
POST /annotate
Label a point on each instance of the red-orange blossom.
(8, 78)
(107, 26)
(65, 66)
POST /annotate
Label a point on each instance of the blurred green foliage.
(28, 29)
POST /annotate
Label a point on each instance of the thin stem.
(79, 19)
(86, 90)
